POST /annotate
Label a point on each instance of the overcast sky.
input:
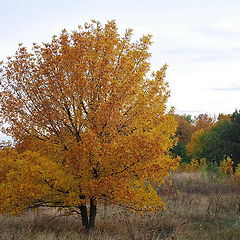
(198, 39)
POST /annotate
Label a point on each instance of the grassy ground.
(199, 208)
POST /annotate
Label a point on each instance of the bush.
(226, 166)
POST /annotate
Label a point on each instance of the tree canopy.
(184, 132)
(89, 122)
(219, 141)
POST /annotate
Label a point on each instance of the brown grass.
(199, 208)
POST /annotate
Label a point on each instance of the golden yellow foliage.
(203, 121)
(90, 124)
(195, 165)
(195, 147)
(226, 166)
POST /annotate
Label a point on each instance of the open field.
(198, 207)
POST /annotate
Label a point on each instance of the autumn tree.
(222, 117)
(185, 128)
(184, 132)
(196, 148)
(203, 121)
(89, 122)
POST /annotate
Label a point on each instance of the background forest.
(215, 139)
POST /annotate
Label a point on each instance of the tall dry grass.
(198, 207)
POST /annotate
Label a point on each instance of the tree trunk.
(84, 216)
(88, 222)
(92, 215)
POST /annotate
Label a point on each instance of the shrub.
(196, 165)
(226, 166)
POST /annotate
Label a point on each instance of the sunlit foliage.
(89, 122)
(226, 166)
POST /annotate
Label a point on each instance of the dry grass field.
(199, 207)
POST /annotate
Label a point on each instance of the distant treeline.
(205, 136)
